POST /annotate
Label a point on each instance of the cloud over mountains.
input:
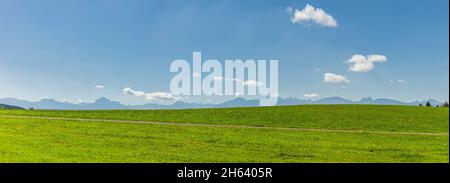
(150, 96)
(334, 78)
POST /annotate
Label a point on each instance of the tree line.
(428, 104)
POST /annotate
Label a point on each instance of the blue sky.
(63, 49)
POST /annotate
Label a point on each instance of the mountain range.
(105, 103)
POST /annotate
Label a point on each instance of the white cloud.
(361, 63)
(311, 95)
(77, 101)
(150, 96)
(252, 83)
(334, 78)
(220, 78)
(161, 96)
(309, 14)
(99, 87)
(129, 91)
(195, 74)
(233, 79)
(397, 81)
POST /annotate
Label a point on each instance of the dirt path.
(224, 126)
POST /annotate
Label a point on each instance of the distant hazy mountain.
(292, 101)
(4, 106)
(104, 103)
(16, 102)
(432, 101)
(101, 103)
(240, 102)
(332, 100)
(382, 101)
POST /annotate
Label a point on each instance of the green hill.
(4, 106)
(310, 133)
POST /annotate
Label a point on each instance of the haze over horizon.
(105, 103)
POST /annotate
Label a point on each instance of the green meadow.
(307, 133)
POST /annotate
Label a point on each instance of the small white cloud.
(220, 78)
(397, 81)
(129, 91)
(150, 96)
(311, 95)
(252, 83)
(309, 14)
(361, 63)
(99, 87)
(161, 96)
(334, 78)
(72, 101)
(316, 69)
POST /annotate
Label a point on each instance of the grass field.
(310, 133)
